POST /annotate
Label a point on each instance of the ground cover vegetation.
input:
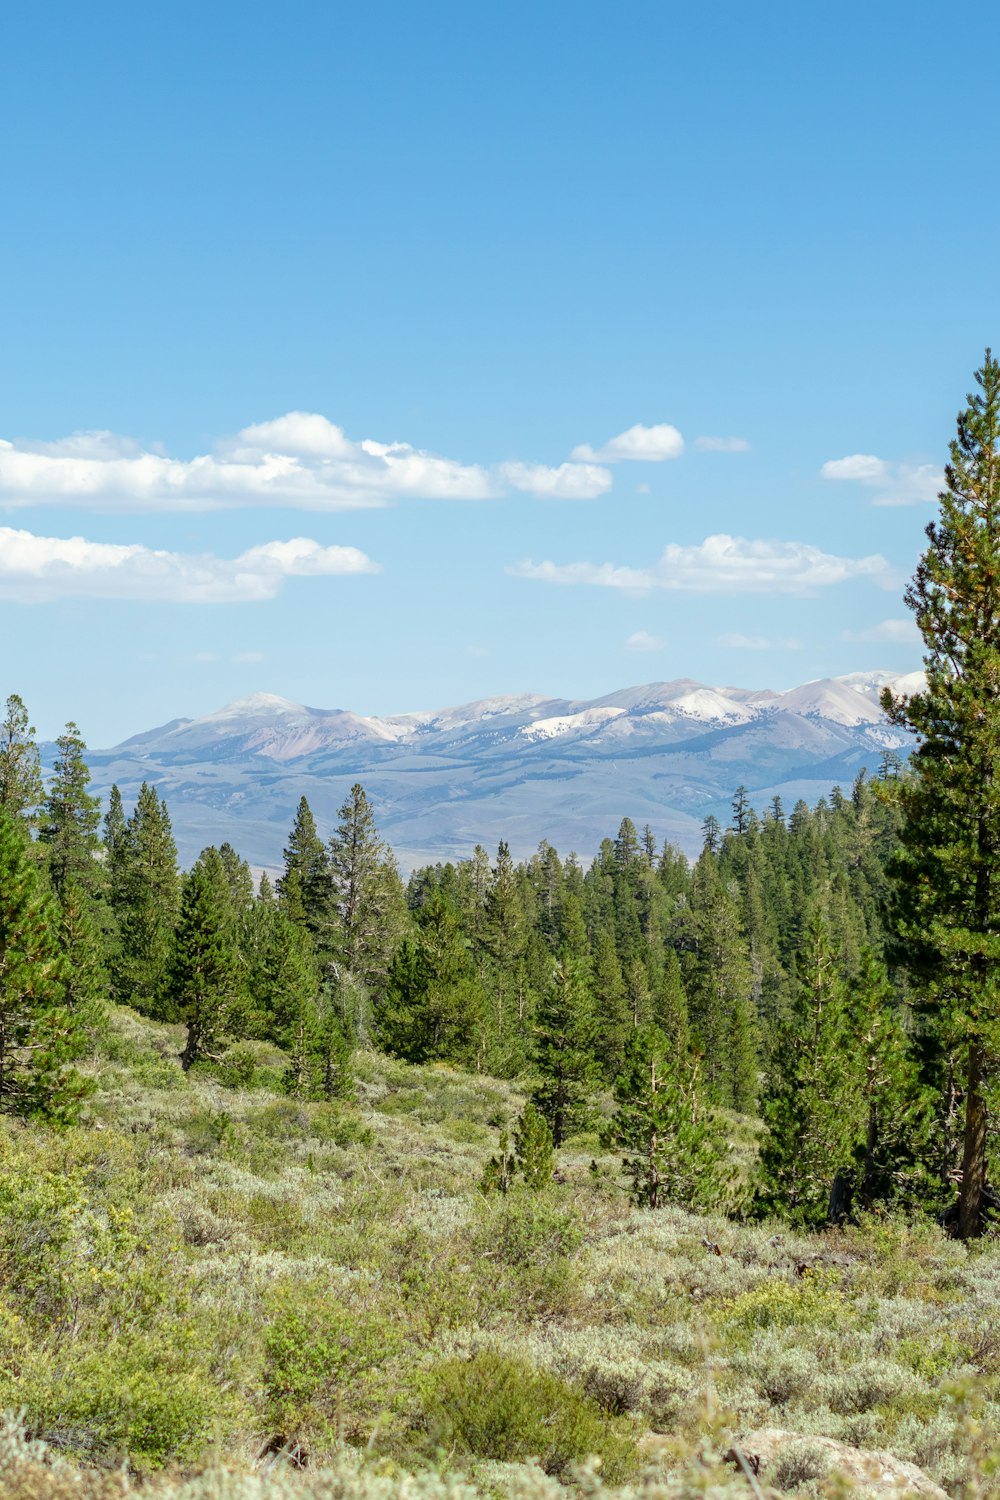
(518, 1167)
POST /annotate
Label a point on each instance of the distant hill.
(522, 768)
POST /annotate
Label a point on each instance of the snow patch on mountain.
(588, 718)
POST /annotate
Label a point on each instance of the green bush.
(496, 1407)
(530, 1242)
(324, 1364)
(148, 1400)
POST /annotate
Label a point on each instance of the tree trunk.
(970, 1203)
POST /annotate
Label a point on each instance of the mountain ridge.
(522, 766)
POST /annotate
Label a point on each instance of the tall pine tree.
(947, 877)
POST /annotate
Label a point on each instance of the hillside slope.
(201, 1270)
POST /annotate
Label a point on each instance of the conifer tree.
(434, 1007)
(113, 828)
(144, 893)
(894, 1158)
(202, 981)
(305, 888)
(564, 1052)
(670, 1010)
(39, 1038)
(673, 1143)
(70, 818)
(504, 939)
(813, 1105)
(332, 1049)
(720, 986)
(612, 1014)
(368, 895)
(947, 878)
(20, 773)
(533, 1147)
(86, 981)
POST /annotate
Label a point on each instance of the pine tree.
(564, 1052)
(670, 1009)
(674, 1145)
(501, 1170)
(39, 1038)
(612, 1014)
(71, 817)
(20, 773)
(894, 1159)
(533, 1148)
(80, 941)
(367, 893)
(202, 981)
(813, 1106)
(434, 1007)
(305, 888)
(947, 878)
(144, 893)
(504, 940)
(720, 987)
(284, 986)
(113, 830)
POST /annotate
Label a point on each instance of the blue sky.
(494, 239)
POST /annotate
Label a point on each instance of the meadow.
(210, 1289)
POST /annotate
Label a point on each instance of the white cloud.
(641, 640)
(637, 444)
(722, 444)
(896, 632)
(34, 569)
(893, 483)
(249, 658)
(300, 460)
(570, 481)
(720, 564)
(737, 642)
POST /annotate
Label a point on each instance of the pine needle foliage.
(946, 909)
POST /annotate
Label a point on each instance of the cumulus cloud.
(570, 481)
(34, 569)
(893, 483)
(737, 642)
(300, 460)
(637, 444)
(641, 640)
(722, 444)
(720, 565)
(902, 632)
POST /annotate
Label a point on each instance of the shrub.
(324, 1363)
(496, 1407)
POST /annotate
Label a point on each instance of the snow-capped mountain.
(522, 768)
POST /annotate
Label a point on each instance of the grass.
(212, 1285)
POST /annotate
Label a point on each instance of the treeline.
(752, 982)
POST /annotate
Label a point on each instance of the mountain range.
(523, 768)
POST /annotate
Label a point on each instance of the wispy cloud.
(637, 444)
(722, 444)
(737, 642)
(34, 569)
(720, 565)
(902, 632)
(300, 460)
(893, 483)
(641, 640)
